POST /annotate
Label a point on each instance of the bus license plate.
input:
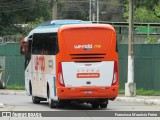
(88, 92)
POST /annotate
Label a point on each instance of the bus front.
(87, 64)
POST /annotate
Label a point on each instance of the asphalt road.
(24, 103)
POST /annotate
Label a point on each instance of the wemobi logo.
(86, 47)
(89, 46)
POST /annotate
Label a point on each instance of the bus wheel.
(103, 105)
(35, 100)
(52, 103)
(95, 105)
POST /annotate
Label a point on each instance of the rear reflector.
(60, 75)
(115, 74)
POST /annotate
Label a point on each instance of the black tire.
(35, 100)
(95, 105)
(30, 88)
(103, 105)
(62, 103)
(52, 103)
(2, 85)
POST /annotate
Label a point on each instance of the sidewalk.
(152, 100)
(12, 92)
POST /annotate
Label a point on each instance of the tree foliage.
(32, 12)
(152, 40)
(142, 14)
(73, 9)
(109, 10)
(112, 10)
(13, 12)
(145, 11)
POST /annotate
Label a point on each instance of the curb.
(12, 93)
(139, 100)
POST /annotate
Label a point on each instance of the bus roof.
(60, 22)
(106, 26)
(53, 26)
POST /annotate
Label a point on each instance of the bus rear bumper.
(87, 92)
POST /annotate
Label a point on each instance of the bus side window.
(45, 44)
(56, 46)
(36, 45)
(52, 44)
(28, 53)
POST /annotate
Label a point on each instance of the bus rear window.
(45, 43)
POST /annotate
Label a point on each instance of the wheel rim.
(49, 99)
(33, 99)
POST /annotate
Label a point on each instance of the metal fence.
(10, 39)
(147, 65)
(12, 64)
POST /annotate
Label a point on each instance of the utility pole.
(94, 11)
(90, 10)
(54, 9)
(97, 11)
(130, 86)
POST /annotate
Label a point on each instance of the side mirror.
(22, 51)
(24, 48)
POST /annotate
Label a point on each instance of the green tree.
(145, 11)
(109, 10)
(112, 10)
(13, 12)
(74, 9)
(142, 14)
(157, 10)
(152, 40)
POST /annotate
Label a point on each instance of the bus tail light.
(115, 74)
(60, 75)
